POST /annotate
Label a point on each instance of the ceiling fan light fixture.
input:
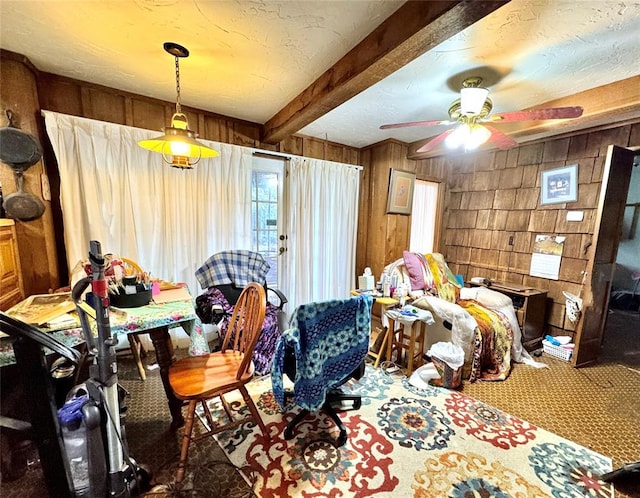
(472, 100)
(457, 137)
(469, 135)
(479, 135)
(178, 145)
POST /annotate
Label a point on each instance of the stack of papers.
(177, 294)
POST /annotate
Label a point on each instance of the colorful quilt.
(492, 347)
(493, 336)
(210, 301)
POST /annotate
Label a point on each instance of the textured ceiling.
(250, 59)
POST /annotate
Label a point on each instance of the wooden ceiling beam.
(415, 28)
(604, 105)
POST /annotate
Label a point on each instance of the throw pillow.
(415, 269)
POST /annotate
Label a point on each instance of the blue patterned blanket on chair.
(329, 340)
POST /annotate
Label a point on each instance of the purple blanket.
(266, 345)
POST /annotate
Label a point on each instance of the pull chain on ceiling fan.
(472, 110)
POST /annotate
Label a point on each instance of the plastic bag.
(448, 352)
(573, 306)
(423, 375)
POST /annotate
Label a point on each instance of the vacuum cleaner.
(82, 445)
(112, 472)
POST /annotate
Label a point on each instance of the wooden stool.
(386, 303)
(407, 340)
(382, 350)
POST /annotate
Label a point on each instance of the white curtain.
(168, 220)
(322, 210)
(423, 216)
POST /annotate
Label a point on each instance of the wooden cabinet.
(531, 307)
(11, 290)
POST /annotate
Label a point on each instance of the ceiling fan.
(471, 112)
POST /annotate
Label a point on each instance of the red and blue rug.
(410, 442)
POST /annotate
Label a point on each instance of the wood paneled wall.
(492, 198)
(35, 239)
(79, 98)
(27, 91)
(381, 237)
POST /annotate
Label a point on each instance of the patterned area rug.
(406, 441)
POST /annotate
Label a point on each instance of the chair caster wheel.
(342, 439)
(357, 403)
(288, 433)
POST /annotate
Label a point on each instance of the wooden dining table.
(156, 319)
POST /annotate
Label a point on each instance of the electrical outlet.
(510, 240)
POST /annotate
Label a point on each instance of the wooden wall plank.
(36, 240)
(513, 178)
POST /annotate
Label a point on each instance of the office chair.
(324, 347)
(224, 275)
(200, 378)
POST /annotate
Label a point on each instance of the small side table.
(407, 339)
(386, 303)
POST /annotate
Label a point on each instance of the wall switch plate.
(575, 215)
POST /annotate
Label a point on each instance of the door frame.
(589, 331)
(277, 164)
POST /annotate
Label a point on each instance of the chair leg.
(207, 413)
(186, 440)
(342, 438)
(253, 409)
(288, 432)
(332, 397)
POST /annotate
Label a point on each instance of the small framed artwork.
(560, 185)
(400, 197)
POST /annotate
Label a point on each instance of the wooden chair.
(200, 378)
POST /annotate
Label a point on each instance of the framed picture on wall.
(400, 197)
(559, 185)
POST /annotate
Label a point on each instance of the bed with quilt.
(481, 321)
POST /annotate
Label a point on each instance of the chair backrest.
(236, 267)
(246, 323)
(330, 340)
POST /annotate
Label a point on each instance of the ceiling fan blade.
(535, 114)
(416, 123)
(432, 144)
(499, 139)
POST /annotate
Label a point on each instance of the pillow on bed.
(415, 268)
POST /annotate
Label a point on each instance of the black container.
(142, 297)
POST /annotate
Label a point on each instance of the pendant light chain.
(178, 107)
(178, 144)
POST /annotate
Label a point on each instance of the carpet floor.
(597, 407)
(407, 441)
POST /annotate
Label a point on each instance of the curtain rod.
(276, 155)
(271, 156)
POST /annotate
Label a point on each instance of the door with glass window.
(267, 193)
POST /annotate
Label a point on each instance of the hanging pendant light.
(178, 145)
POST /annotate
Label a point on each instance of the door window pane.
(264, 211)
